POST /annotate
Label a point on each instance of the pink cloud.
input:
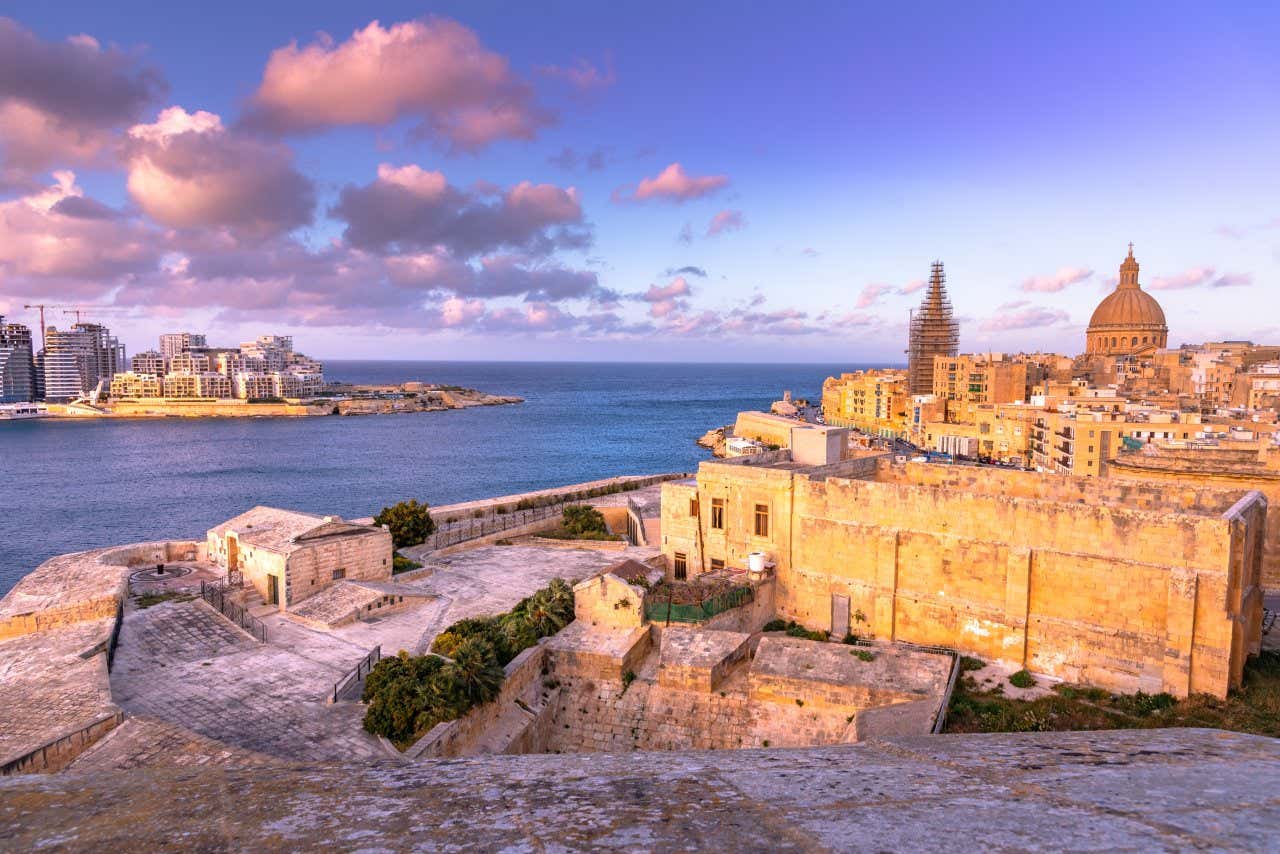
(409, 209)
(1064, 278)
(726, 220)
(1022, 315)
(667, 300)
(871, 294)
(57, 242)
(911, 287)
(1200, 277)
(62, 103)
(583, 75)
(673, 184)
(187, 171)
(434, 69)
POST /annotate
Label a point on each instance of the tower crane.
(69, 308)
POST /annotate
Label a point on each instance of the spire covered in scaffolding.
(934, 332)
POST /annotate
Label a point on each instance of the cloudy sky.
(656, 181)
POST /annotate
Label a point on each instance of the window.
(339, 574)
(680, 566)
(693, 506)
(762, 520)
(717, 513)
(716, 563)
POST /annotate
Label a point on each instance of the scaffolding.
(934, 331)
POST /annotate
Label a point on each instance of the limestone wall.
(365, 557)
(464, 736)
(1193, 474)
(1090, 592)
(606, 601)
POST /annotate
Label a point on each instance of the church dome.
(1129, 320)
(1128, 307)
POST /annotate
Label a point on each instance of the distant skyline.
(666, 182)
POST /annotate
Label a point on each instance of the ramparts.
(1126, 585)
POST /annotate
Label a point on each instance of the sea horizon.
(98, 482)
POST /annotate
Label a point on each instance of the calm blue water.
(72, 485)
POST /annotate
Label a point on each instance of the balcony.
(1064, 448)
(1065, 433)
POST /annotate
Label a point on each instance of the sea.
(68, 485)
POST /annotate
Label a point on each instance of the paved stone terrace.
(183, 665)
(48, 688)
(1156, 790)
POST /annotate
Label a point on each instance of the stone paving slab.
(916, 794)
(143, 741)
(50, 684)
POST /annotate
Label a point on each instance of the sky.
(745, 182)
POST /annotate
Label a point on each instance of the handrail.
(215, 594)
(357, 674)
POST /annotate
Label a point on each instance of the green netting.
(661, 611)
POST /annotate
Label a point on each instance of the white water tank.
(755, 563)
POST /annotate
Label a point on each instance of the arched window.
(1113, 341)
(1144, 339)
(1135, 341)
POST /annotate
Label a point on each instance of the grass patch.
(1253, 708)
(864, 655)
(968, 663)
(400, 563)
(1022, 679)
(146, 600)
(795, 630)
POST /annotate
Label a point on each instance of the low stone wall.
(58, 753)
(462, 736)
(589, 545)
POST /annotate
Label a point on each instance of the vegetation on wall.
(581, 522)
(1253, 708)
(408, 695)
(410, 523)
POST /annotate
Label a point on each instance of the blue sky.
(1023, 146)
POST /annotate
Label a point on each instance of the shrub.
(850, 639)
(400, 563)
(407, 695)
(864, 655)
(775, 626)
(1022, 679)
(968, 663)
(410, 523)
(579, 519)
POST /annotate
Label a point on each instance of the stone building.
(288, 556)
(1128, 320)
(1126, 585)
(875, 402)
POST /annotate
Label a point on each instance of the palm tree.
(476, 671)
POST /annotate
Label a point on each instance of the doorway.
(233, 553)
(273, 592)
(839, 616)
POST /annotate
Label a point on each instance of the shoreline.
(379, 400)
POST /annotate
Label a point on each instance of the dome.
(1128, 307)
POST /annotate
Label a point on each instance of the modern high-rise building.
(934, 332)
(17, 364)
(76, 360)
(173, 343)
(67, 364)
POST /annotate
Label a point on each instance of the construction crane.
(77, 310)
(69, 308)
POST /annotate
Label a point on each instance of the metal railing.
(659, 609)
(351, 683)
(215, 593)
(463, 530)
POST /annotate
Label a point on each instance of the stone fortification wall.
(1189, 470)
(82, 586)
(1067, 585)
(57, 626)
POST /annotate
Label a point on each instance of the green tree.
(410, 523)
(476, 671)
(577, 519)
